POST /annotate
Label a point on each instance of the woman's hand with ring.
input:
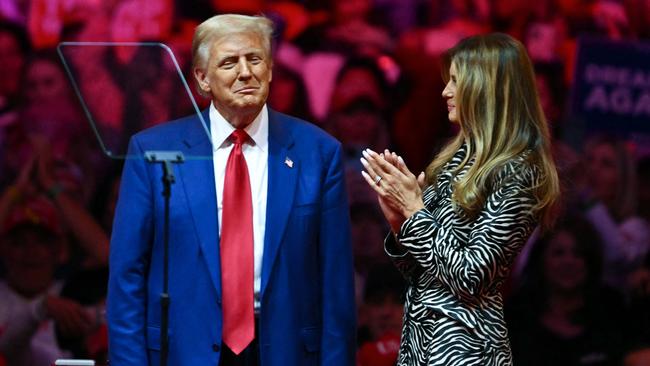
(395, 185)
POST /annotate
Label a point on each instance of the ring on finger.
(378, 179)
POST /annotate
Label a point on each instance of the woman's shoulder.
(521, 167)
(524, 160)
(449, 169)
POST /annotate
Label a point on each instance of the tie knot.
(239, 136)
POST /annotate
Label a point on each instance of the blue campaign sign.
(611, 89)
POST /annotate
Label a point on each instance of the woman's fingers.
(380, 165)
(370, 170)
(390, 157)
(422, 180)
(396, 161)
(370, 162)
(372, 184)
(374, 171)
(401, 165)
(389, 164)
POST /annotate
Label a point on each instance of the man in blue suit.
(260, 257)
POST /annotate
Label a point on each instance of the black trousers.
(250, 356)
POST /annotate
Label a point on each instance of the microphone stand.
(167, 159)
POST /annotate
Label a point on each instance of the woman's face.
(602, 168)
(564, 267)
(449, 93)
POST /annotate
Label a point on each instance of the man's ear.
(202, 79)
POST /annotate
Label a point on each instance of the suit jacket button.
(215, 347)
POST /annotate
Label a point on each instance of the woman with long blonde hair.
(456, 239)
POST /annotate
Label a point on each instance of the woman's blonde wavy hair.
(500, 117)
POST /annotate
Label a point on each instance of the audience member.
(59, 181)
(348, 30)
(380, 316)
(359, 117)
(14, 48)
(88, 288)
(368, 229)
(419, 106)
(638, 14)
(32, 244)
(48, 150)
(544, 32)
(288, 93)
(552, 93)
(597, 17)
(609, 196)
(564, 314)
(51, 110)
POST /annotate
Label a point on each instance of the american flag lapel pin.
(289, 162)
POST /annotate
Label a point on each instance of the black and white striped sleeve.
(468, 265)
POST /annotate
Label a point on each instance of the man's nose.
(244, 69)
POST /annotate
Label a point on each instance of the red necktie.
(237, 250)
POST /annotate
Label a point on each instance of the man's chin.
(249, 104)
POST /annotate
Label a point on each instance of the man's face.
(237, 75)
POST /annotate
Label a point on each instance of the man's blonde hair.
(224, 25)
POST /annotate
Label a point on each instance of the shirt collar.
(220, 129)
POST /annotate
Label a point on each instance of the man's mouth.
(246, 90)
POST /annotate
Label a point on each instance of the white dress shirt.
(256, 152)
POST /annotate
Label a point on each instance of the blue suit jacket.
(307, 314)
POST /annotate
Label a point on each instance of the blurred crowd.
(368, 72)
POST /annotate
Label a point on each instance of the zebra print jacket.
(455, 266)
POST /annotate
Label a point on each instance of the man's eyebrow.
(226, 56)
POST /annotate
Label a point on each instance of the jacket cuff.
(393, 248)
(407, 226)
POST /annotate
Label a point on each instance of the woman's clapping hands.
(399, 191)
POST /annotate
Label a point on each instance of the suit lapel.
(283, 173)
(197, 177)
